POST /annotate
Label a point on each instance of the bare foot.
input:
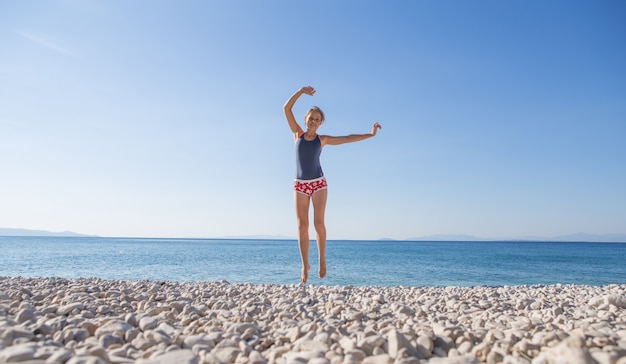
(305, 273)
(322, 270)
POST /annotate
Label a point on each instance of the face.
(313, 120)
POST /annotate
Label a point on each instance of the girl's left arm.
(336, 140)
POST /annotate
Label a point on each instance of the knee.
(319, 225)
(303, 224)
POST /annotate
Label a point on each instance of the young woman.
(310, 184)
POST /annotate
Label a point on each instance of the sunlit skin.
(312, 121)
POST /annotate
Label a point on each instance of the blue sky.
(164, 119)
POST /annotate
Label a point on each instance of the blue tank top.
(308, 158)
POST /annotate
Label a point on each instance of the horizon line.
(383, 240)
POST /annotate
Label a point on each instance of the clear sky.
(157, 118)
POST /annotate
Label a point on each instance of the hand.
(308, 90)
(375, 128)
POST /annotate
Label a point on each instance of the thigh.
(302, 202)
(319, 203)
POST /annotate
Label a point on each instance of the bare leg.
(302, 215)
(319, 208)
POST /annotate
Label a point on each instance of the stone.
(60, 355)
(293, 334)
(310, 345)
(108, 340)
(512, 359)
(104, 309)
(367, 344)
(131, 334)
(25, 315)
(347, 343)
(120, 360)
(444, 342)
(465, 359)
(378, 359)
(357, 354)
(465, 347)
(159, 337)
(80, 334)
(397, 341)
(604, 358)
(494, 356)
(178, 305)
(349, 359)
(570, 351)
(303, 356)
(319, 360)
(167, 328)
(142, 344)
(596, 301)
(18, 353)
(255, 357)
(182, 356)
(115, 327)
(481, 351)
(616, 300)
(227, 343)
(226, 354)
(67, 309)
(355, 316)
(86, 359)
(94, 350)
(12, 333)
(406, 310)
(131, 319)
(43, 329)
(148, 323)
(240, 328)
(425, 346)
(192, 340)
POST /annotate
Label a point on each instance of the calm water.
(374, 263)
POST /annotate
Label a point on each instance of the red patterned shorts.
(308, 187)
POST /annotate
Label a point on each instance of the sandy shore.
(52, 320)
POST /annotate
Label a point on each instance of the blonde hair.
(317, 109)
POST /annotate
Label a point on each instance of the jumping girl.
(310, 184)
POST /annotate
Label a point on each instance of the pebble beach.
(91, 320)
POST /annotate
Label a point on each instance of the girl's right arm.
(291, 120)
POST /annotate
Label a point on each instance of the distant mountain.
(577, 237)
(27, 232)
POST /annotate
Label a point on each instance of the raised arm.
(336, 140)
(296, 129)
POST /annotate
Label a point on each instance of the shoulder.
(324, 139)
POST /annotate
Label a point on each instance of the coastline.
(93, 320)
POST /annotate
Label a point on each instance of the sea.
(355, 263)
